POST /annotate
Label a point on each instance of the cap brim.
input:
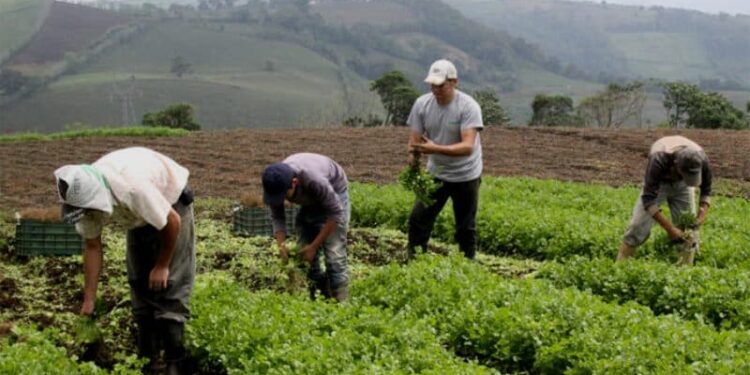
(692, 179)
(435, 80)
(71, 214)
(274, 199)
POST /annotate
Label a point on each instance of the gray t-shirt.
(443, 125)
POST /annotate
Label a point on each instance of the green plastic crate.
(34, 237)
(256, 221)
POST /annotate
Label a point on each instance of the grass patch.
(134, 131)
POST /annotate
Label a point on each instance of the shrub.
(176, 116)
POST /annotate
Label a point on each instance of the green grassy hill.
(19, 20)
(237, 80)
(626, 41)
(287, 68)
(284, 66)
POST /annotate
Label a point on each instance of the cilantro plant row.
(529, 326)
(717, 296)
(267, 333)
(545, 219)
(27, 351)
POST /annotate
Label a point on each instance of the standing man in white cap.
(147, 193)
(675, 164)
(445, 125)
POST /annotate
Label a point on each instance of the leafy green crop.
(686, 220)
(28, 351)
(717, 296)
(266, 333)
(544, 219)
(530, 326)
(420, 182)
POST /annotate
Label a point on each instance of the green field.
(19, 20)
(236, 81)
(669, 56)
(544, 297)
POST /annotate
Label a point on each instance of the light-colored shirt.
(443, 125)
(661, 168)
(321, 180)
(144, 184)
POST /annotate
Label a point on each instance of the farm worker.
(675, 164)
(445, 125)
(319, 185)
(147, 193)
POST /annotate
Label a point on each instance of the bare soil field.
(229, 163)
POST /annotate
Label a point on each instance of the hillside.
(281, 66)
(19, 21)
(236, 81)
(68, 28)
(610, 41)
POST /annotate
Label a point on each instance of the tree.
(553, 110)
(11, 81)
(177, 116)
(688, 107)
(492, 112)
(180, 66)
(678, 96)
(714, 111)
(397, 95)
(613, 107)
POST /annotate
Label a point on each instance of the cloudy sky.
(710, 6)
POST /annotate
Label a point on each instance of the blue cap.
(277, 179)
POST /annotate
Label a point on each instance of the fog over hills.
(708, 6)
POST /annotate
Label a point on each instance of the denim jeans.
(676, 194)
(310, 221)
(465, 197)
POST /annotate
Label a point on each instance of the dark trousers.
(143, 249)
(465, 198)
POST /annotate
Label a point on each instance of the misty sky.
(710, 6)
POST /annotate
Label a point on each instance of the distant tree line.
(686, 106)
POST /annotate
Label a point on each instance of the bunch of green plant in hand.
(295, 267)
(417, 180)
(688, 224)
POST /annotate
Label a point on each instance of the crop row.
(530, 326)
(267, 333)
(27, 351)
(717, 296)
(545, 219)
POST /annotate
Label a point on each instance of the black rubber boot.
(148, 345)
(322, 285)
(174, 350)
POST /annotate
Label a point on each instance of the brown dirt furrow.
(228, 163)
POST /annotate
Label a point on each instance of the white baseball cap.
(82, 187)
(440, 71)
